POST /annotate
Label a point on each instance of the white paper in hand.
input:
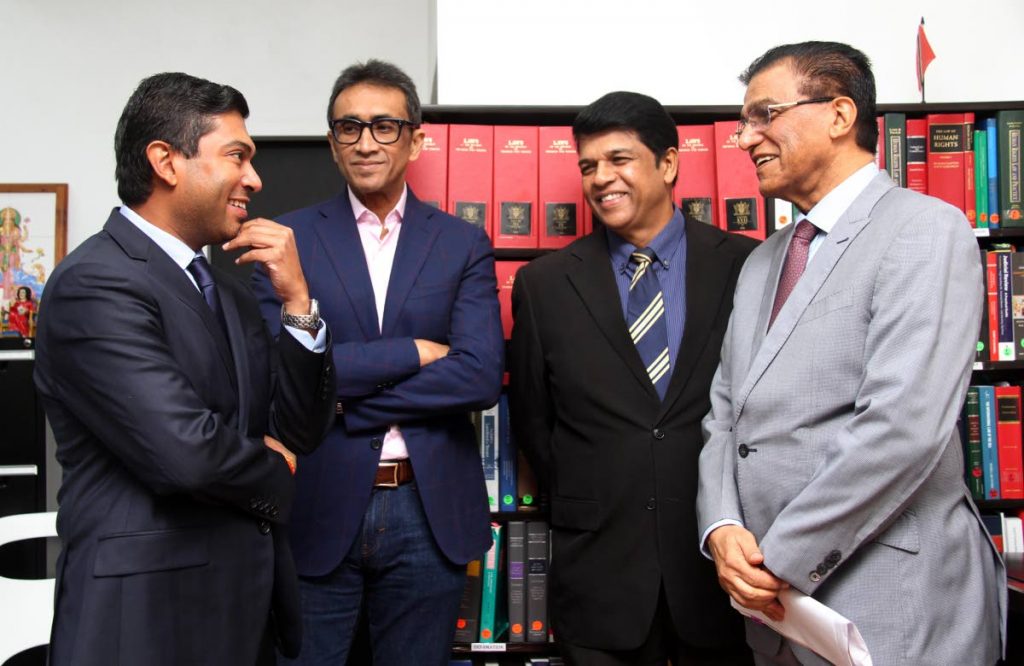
(816, 627)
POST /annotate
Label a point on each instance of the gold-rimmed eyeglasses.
(760, 117)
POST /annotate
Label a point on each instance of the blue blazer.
(442, 288)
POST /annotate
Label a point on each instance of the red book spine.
(515, 186)
(917, 155)
(561, 190)
(695, 192)
(470, 174)
(1008, 436)
(970, 198)
(427, 175)
(506, 274)
(992, 291)
(946, 163)
(740, 207)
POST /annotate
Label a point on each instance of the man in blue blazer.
(392, 506)
(172, 406)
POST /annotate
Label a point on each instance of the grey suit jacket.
(832, 436)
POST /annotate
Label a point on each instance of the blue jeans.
(412, 591)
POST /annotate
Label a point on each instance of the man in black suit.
(173, 409)
(615, 343)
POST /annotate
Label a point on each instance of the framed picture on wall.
(33, 238)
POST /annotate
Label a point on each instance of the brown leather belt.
(393, 473)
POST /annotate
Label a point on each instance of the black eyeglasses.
(384, 131)
(759, 117)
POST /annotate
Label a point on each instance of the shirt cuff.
(714, 526)
(317, 345)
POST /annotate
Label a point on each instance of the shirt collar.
(358, 209)
(176, 249)
(665, 244)
(826, 213)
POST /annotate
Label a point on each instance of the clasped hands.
(741, 571)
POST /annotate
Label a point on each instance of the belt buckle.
(394, 475)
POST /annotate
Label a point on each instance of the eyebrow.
(249, 148)
(760, 102)
(379, 116)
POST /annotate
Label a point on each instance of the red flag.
(925, 55)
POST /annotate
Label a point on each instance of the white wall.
(68, 67)
(690, 51)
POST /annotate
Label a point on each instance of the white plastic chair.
(26, 606)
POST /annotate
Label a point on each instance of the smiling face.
(626, 187)
(374, 171)
(213, 187)
(794, 154)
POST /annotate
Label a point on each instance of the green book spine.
(489, 596)
(974, 469)
(981, 176)
(1011, 197)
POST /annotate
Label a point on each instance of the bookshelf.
(298, 171)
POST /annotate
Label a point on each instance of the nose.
(748, 137)
(366, 142)
(604, 173)
(251, 180)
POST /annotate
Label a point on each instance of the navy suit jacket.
(442, 288)
(171, 507)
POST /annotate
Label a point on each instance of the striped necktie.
(203, 274)
(645, 314)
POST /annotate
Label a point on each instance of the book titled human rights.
(427, 175)
(515, 186)
(470, 171)
(740, 208)
(695, 190)
(560, 188)
(947, 164)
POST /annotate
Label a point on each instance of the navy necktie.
(645, 315)
(201, 271)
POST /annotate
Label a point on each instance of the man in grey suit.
(832, 462)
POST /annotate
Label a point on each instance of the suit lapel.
(339, 240)
(170, 276)
(707, 274)
(593, 280)
(414, 243)
(852, 222)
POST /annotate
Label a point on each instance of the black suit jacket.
(620, 465)
(171, 507)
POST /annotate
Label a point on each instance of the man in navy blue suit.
(392, 506)
(172, 406)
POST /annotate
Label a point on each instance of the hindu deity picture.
(32, 240)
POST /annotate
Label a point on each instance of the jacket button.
(833, 557)
(821, 569)
(376, 443)
(815, 577)
(651, 504)
(264, 527)
(254, 503)
(658, 433)
(743, 450)
(339, 408)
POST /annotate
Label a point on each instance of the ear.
(161, 157)
(845, 119)
(418, 135)
(670, 165)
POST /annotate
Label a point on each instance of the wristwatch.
(306, 322)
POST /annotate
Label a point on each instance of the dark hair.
(28, 292)
(829, 69)
(630, 112)
(172, 107)
(378, 73)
